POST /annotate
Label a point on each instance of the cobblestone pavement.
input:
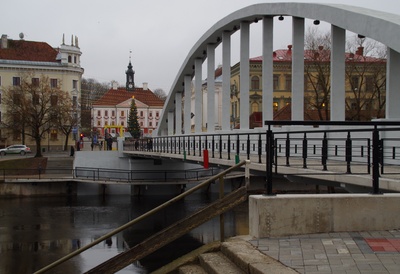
(348, 252)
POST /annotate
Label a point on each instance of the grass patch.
(24, 166)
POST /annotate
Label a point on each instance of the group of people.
(148, 145)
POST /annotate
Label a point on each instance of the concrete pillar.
(338, 67)
(170, 123)
(211, 114)
(393, 85)
(187, 105)
(226, 80)
(298, 69)
(178, 113)
(198, 96)
(267, 70)
(244, 74)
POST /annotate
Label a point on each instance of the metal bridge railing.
(219, 177)
(347, 147)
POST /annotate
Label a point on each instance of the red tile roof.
(114, 97)
(28, 51)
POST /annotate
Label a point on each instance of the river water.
(34, 232)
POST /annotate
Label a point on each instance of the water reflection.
(38, 231)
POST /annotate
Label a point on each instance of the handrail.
(145, 215)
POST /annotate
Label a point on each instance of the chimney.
(145, 86)
(290, 47)
(4, 41)
(360, 51)
(114, 85)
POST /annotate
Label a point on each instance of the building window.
(106, 123)
(35, 99)
(122, 123)
(75, 59)
(255, 82)
(17, 99)
(16, 81)
(369, 83)
(276, 81)
(288, 79)
(98, 123)
(53, 134)
(150, 114)
(69, 58)
(354, 82)
(75, 84)
(112, 113)
(122, 113)
(157, 114)
(254, 107)
(99, 113)
(112, 123)
(106, 113)
(35, 82)
(141, 113)
(53, 100)
(53, 83)
(141, 124)
(150, 124)
(74, 101)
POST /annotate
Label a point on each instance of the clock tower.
(130, 73)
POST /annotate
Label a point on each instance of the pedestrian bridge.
(194, 122)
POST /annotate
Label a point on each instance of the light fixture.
(256, 20)
(280, 18)
(316, 22)
(218, 39)
(361, 36)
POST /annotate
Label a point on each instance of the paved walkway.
(348, 252)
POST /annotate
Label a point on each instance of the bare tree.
(160, 93)
(33, 107)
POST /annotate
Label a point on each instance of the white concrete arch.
(380, 26)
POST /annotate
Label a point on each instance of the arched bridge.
(190, 122)
(176, 117)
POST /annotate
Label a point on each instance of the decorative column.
(392, 84)
(211, 88)
(226, 80)
(267, 70)
(170, 123)
(187, 104)
(244, 75)
(198, 96)
(178, 113)
(338, 68)
(298, 69)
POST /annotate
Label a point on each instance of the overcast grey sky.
(159, 33)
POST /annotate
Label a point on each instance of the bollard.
(205, 158)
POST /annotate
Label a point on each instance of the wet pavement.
(347, 252)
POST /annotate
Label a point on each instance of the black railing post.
(220, 146)
(270, 142)
(200, 145)
(381, 155)
(375, 161)
(229, 147)
(237, 145)
(213, 147)
(305, 144)
(259, 148)
(348, 152)
(194, 145)
(287, 149)
(324, 152)
(179, 145)
(369, 156)
(248, 146)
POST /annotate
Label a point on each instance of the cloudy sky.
(159, 33)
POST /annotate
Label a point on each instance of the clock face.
(130, 85)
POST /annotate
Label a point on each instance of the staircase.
(234, 256)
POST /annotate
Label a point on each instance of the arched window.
(255, 82)
(69, 59)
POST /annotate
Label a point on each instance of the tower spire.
(130, 73)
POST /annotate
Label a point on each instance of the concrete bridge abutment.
(295, 214)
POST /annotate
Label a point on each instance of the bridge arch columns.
(382, 27)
